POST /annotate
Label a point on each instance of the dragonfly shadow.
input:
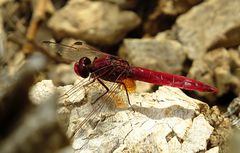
(166, 112)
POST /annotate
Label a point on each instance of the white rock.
(157, 54)
(156, 116)
(216, 67)
(62, 73)
(161, 119)
(125, 4)
(197, 135)
(213, 150)
(182, 127)
(41, 91)
(174, 145)
(92, 22)
(208, 23)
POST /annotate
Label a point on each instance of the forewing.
(98, 101)
(74, 52)
(88, 115)
(73, 94)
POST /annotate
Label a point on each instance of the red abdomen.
(161, 78)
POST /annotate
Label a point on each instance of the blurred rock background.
(195, 38)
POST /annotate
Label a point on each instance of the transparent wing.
(84, 119)
(74, 52)
(92, 107)
(97, 98)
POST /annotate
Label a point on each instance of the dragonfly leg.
(127, 96)
(107, 90)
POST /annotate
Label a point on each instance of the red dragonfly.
(100, 66)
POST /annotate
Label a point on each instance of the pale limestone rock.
(92, 22)
(156, 116)
(143, 86)
(173, 8)
(174, 145)
(161, 55)
(218, 68)
(125, 4)
(42, 91)
(197, 135)
(213, 150)
(163, 121)
(163, 13)
(176, 7)
(62, 74)
(182, 127)
(207, 24)
(233, 112)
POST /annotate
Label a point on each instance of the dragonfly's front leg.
(107, 90)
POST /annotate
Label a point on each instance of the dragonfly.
(100, 67)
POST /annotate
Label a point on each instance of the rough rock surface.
(123, 3)
(222, 129)
(159, 55)
(41, 91)
(207, 24)
(159, 118)
(200, 129)
(233, 112)
(174, 7)
(213, 150)
(219, 68)
(92, 22)
(164, 121)
(62, 74)
(164, 12)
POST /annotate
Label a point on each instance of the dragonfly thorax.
(82, 67)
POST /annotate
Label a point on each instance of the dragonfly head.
(82, 67)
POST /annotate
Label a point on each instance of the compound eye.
(81, 68)
(85, 61)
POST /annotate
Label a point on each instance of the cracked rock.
(197, 135)
(164, 121)
(165, 114)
